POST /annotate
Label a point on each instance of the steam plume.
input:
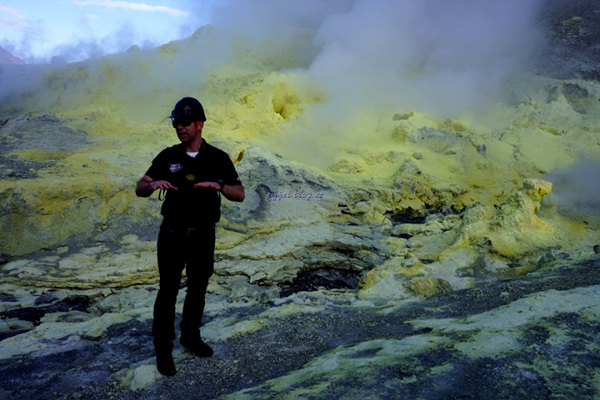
(369, 57)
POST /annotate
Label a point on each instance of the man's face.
(187, 130)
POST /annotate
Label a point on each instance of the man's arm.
(146, 186)
(231, 192)
(234, 192)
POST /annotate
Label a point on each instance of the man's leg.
(199, 269)
(170, 266)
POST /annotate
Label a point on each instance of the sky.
(74, 30)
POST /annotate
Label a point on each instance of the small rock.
(537, 188)
(46, 298)
(427, 287)
(143, 376)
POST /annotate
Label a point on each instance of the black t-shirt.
(188, 206)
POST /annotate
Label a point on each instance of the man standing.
(192, 175)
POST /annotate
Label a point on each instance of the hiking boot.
(196, 346)
(164, 359)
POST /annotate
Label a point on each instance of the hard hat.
(188, 108)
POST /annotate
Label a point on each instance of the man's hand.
(207, 185)
(146, 186)
(162, 185)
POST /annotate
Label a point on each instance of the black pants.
(180, 247)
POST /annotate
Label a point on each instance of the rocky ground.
(535, 336)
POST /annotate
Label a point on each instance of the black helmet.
(188, 108)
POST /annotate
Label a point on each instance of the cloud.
(11, 11)
(86, 19)
(78, 29)
(13, 19)
(127, 5)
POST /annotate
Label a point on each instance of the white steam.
(441, 57)
(576, 189)
(372, 57)
(435, 56)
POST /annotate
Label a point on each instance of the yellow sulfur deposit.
(320, 159)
